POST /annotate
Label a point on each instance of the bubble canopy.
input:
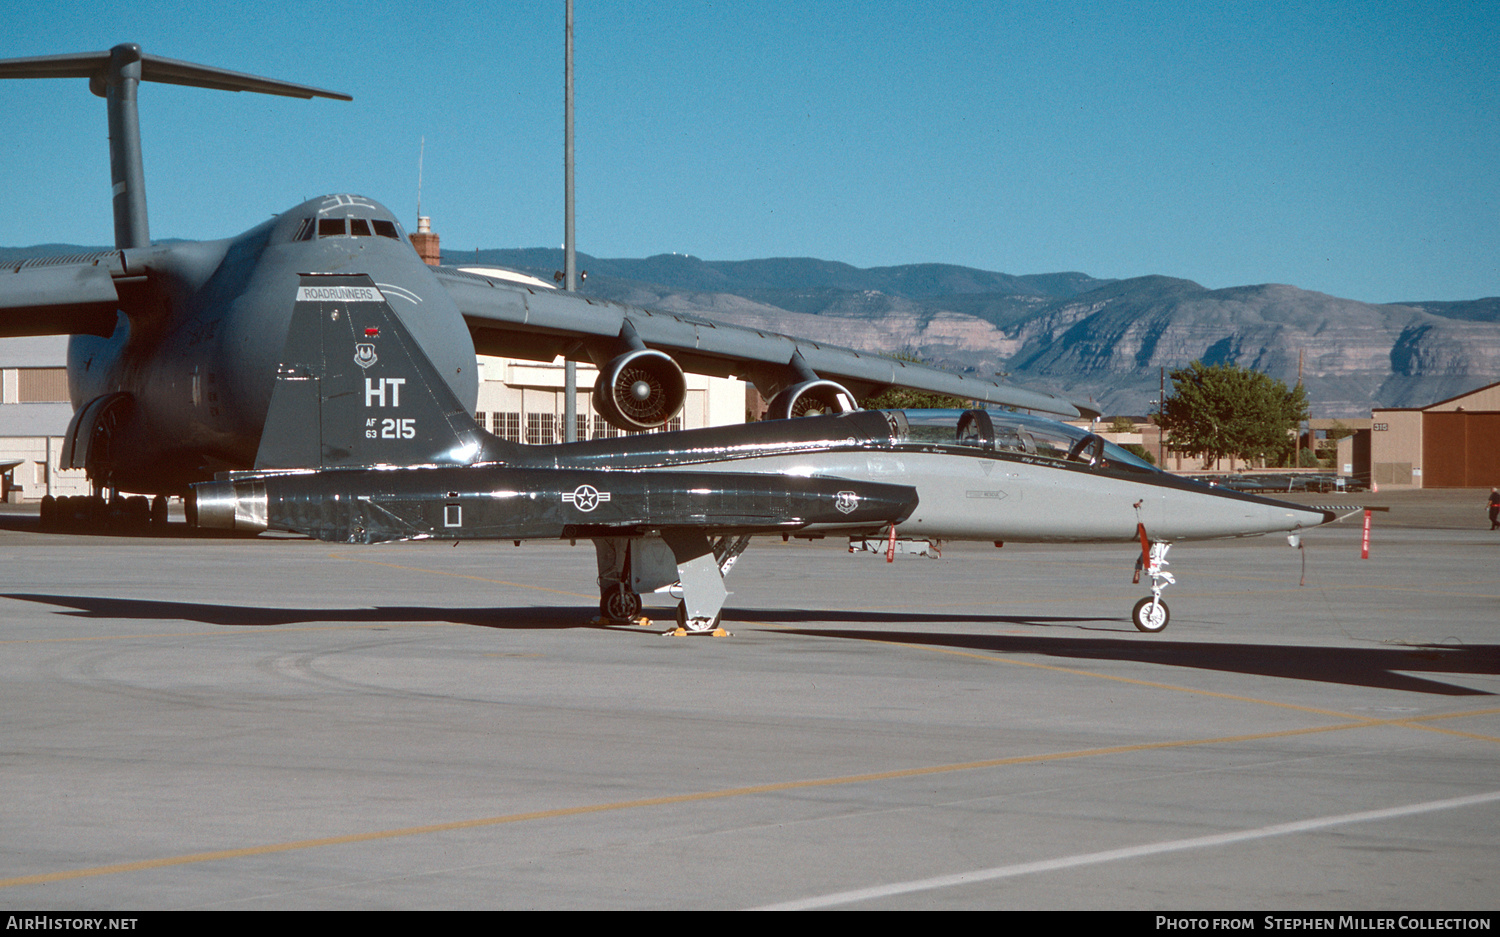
(1006, 431)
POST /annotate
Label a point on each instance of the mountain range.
(1102, 340)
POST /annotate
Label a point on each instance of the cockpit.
(347, 226)
(1018, 434)
(338, 216)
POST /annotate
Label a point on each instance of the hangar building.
(1454, 443)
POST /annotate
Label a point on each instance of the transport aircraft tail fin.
(354, 389)
(115, 75)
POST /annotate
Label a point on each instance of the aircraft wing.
(516, 321)
(75, 294)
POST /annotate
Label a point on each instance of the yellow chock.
(642, 622)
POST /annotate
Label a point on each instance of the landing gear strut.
(1151, 613)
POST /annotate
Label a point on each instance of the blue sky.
(1351, 148)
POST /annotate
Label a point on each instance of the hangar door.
(1460, 449)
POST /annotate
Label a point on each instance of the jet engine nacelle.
(640, 389)
(811, 398)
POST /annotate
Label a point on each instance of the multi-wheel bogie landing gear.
(96, 513)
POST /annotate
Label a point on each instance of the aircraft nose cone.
(1289, 516)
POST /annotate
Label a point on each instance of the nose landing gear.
(1151, 614)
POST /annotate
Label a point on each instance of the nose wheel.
(1150, 614)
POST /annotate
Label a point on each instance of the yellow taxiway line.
(698, 797)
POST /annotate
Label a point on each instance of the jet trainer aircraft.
(396, 456)
(175, 347)
(325, 377)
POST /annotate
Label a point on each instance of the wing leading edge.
(516, 321)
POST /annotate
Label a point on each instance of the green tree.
(1224, 410)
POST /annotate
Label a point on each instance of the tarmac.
(276, 723)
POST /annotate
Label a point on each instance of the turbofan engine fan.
(640, 389)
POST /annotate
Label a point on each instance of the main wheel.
(619, 604)
(682, 620)
(1148, 617)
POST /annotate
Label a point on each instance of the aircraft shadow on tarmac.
(240, 616)
(1388, 668)
(1377, 667)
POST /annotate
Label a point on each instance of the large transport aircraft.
(175, 347)
(396, 456)
(325, 378)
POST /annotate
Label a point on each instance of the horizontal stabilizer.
(492, 502)
(94, 65)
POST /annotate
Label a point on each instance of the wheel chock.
(642, 622)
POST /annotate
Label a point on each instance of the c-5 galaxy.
(325, 378)
(365, 442)
(175, 347)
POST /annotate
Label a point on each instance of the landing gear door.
(91, 434)
(642, 564)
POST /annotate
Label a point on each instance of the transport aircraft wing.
(70, 295)
(507, 319)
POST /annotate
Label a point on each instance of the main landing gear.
(135, 516)
(681, 562)
(1151, 613)
(618, 605)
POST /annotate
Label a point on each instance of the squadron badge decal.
(364, 355)
(846, 502)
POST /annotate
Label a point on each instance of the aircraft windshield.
(1007, 431)
(348, 226)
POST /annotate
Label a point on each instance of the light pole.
(570, 264)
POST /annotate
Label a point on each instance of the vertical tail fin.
(115, 76)
(354, 389)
